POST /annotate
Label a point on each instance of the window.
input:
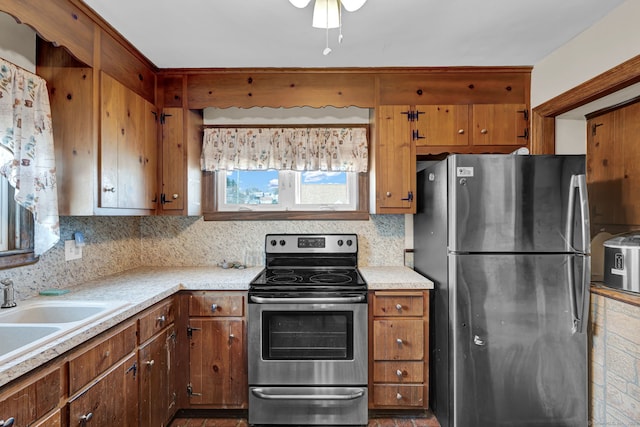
(16, 230)
(273, 190)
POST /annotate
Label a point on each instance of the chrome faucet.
(9, 294)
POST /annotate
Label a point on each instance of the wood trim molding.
(543, 116)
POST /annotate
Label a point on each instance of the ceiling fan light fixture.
(352, 5)
(326, 14)
(300, 3)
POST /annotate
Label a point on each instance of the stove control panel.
(311, 243)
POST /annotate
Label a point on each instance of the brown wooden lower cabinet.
(217, 355)
(112, 400)
(30, 399)
(398, 345)
(53, 420)
(157, 398)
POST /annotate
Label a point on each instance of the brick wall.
(615, 362)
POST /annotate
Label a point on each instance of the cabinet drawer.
(32, 399)
(156, 319)
(53, 420)
(398, 304)
(96, 360)
(218, 305)
(398, 372)
(398, 339)
(398, 395)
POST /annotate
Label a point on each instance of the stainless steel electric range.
(307, 329)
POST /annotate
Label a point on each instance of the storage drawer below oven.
(308, 406)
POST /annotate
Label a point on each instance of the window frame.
(211, 213)
(17, 217)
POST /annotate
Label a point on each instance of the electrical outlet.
(71, 251)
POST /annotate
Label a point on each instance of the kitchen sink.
(53, 312)
(34, 323)
(14, 337)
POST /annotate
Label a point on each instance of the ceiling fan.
(328, 14)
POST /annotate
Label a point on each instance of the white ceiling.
(273, 33)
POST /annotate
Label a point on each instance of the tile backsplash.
(115, 244)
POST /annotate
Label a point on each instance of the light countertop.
(141, 288)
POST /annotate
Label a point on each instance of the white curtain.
(327, 148)
(27, 155)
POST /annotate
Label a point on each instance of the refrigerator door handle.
(579, 184)
(575, 321)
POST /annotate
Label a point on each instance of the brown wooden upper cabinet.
(613, 168)
(128, 148)
(395, 161)
(473, 128)
(181, 176)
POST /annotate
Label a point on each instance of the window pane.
(252, 187)
(323, 188)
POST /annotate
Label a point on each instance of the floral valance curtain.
(300, 149)
(26, 150)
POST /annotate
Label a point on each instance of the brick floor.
(429, 421)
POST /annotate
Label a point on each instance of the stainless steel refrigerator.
(505, 238)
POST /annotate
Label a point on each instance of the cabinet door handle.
(399, 307)
(461, 131)
(8, 422)
(399, 373)
(161, 319)
(399, 341)
(150, 363)
(214, 307)
(398, 396)
(85, 419)
(483, 131)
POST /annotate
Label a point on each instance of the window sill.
(10, 260)
(289, 215)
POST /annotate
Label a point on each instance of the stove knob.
(340, 242)
(282, 242)
(349, 242)
(273, 243)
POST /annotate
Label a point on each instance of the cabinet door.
(173, 160)
(128, 148)
(157, 391)
(440, 125)
(110, 401)
(500, 124)
(217, 363)
(395, 159)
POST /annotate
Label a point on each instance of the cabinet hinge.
(415, 134)
(190, 331)
(525, 134)
(525, 113)
(190, 391)
(409, 115)
(594, 128)
(163, 118)
(133, 368)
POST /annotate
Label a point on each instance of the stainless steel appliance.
(505, 238)
(622, 262)
(307, 329)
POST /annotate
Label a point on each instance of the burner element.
(333, 278)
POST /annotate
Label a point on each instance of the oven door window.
(304, 335)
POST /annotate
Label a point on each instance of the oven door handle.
(263, 394)
(336, 300)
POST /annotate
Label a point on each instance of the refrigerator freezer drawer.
(308, 406)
